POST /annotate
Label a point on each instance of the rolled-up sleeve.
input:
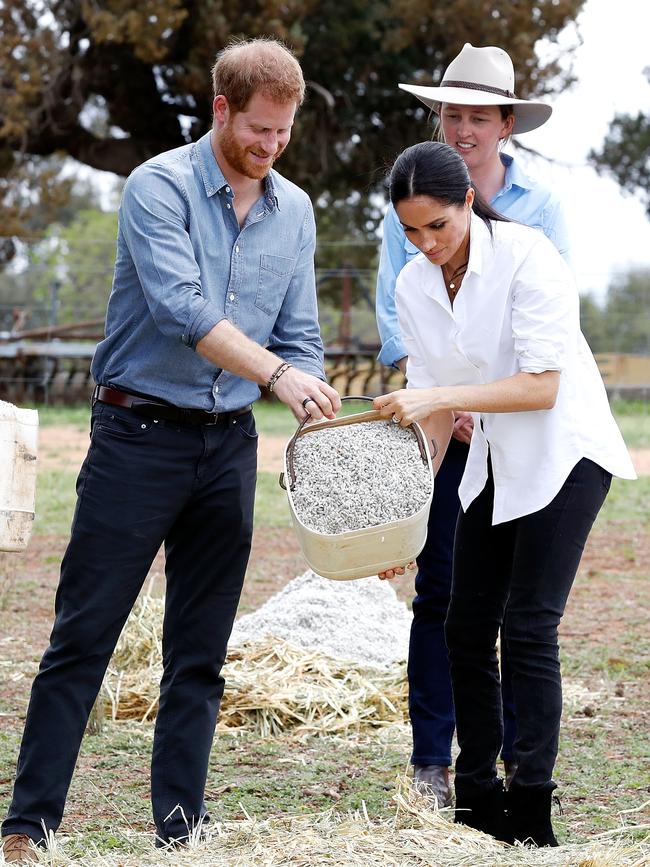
(296, 334)
(545, 309)
(153, 220)
(391, 261)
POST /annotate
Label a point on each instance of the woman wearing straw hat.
(489, 314)
(478, 111)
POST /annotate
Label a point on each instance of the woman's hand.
(389, 574)
(411, 404)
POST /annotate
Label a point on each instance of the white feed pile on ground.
(362, 621)
(320, 657)
(357, 476)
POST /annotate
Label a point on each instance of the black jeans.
(143, 483)
(518, 574)
(431, 703)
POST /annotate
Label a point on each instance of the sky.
(609, 229)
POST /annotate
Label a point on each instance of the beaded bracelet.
(277, 373)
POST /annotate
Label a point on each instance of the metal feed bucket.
(363, 552)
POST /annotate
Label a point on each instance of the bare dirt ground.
(602, 765)
(64, 447)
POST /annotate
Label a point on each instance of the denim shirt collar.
(515, 176)
(213, 177)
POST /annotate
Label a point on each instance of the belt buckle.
(199, 416)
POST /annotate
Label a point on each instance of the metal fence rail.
(58, 371)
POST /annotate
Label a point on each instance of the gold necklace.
(458, 275)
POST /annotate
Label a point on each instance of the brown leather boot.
(432, 781)
(18, 849)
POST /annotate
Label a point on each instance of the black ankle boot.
(529, 815)
(484, 812)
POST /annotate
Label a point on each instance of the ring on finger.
(306, 401)
(396, 420)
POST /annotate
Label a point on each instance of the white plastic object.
(18, 453)
(365, 552)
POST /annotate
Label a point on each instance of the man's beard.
(239, 157)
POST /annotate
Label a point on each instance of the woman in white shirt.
(477, 112)
(489, 314)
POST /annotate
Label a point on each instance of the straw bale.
(272, 686)
(414, 836)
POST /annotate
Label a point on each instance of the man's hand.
(295, 386)
(226, 347)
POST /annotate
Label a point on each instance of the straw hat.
(483, 76)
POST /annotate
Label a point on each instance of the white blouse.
(517, 310)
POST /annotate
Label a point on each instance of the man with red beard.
(213, 295)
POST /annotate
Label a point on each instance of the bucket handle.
(373, 415)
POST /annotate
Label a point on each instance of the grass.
(263, 777)
(56, 495)
(604, 758)
(55, 501)
(271, 417)
(271, 504)
(627, 503)
(77, 415)
(633, 417)
(56, 498)
(56, 492)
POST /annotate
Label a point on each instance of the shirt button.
(227, 189)
(231, 296)
(236, 249)
(216, 389)
(228, 206)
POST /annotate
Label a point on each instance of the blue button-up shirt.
(521, 198)
(183, 264)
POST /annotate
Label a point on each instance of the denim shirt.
(521, 198)
(183, 264)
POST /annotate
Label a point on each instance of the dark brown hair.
(434, 169)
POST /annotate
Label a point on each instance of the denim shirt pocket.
(275, 274)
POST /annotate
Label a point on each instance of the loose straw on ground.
(272, 688)
(414, 837)
(271, 685)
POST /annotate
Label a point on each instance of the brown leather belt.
(151, 408)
